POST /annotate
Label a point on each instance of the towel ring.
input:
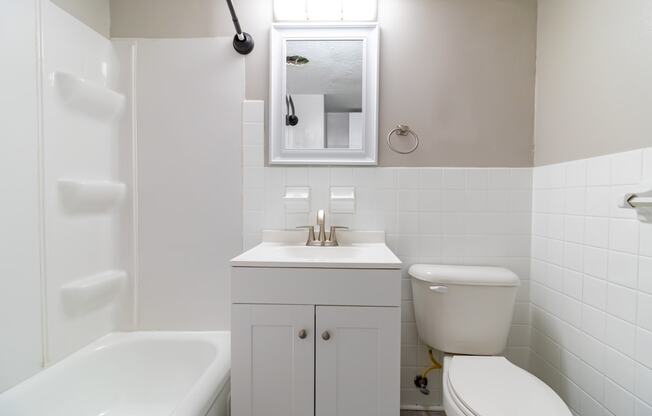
(403, 130)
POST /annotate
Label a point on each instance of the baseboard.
(423, 408)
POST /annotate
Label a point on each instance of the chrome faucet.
(321, 222)
(323, 240)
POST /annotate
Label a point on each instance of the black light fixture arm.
(243, 43)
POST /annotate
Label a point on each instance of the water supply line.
(243, 43)
(421, 380)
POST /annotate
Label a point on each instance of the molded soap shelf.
(93, 291)
(88, 96)
(91, 196)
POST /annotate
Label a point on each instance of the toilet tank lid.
(464, 275)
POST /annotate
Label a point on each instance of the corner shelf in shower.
(80, 196)
(93, 291)
(88, 96)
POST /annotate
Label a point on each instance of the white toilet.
(466, 312)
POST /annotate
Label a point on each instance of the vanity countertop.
(287, 249)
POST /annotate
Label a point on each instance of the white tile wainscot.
(591, 287)
(449, 215)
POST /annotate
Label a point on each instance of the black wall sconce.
(243, 43)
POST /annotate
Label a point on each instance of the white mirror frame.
(281, 33)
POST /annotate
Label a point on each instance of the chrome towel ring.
(403, 130)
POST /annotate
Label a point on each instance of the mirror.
(324, 88)
(324, 95)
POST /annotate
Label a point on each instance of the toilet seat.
(492, 386)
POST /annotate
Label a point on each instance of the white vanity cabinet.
(298, 360)
(357, 360)
(273, 355)
(315, 341)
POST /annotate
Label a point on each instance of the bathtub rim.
(198, 399)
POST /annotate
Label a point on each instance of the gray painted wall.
(594, 78)
(460, 72)
(94, 13)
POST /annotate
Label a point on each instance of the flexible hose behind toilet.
(421, 380)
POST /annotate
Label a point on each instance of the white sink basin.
(365, 250)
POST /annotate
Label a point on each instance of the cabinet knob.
(303, 334)
(325, 336)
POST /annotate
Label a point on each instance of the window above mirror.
(324, 94)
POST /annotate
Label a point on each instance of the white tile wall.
(459, 216)
(584, 324)
(592, 284)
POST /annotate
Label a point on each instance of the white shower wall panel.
(20, 301)
(189, 182)
(78, 144)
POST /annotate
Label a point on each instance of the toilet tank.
(464, 309)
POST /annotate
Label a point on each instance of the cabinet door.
(272, 360)
(358, 361)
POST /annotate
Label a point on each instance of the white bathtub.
(132, 374)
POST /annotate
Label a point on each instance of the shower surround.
(71, 101)
(116, 154)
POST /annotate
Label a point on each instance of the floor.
(421, 413)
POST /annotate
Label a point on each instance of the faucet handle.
(311, 233)
(332, 237)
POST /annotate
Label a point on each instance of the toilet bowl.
(466, 312)
(492, 386)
